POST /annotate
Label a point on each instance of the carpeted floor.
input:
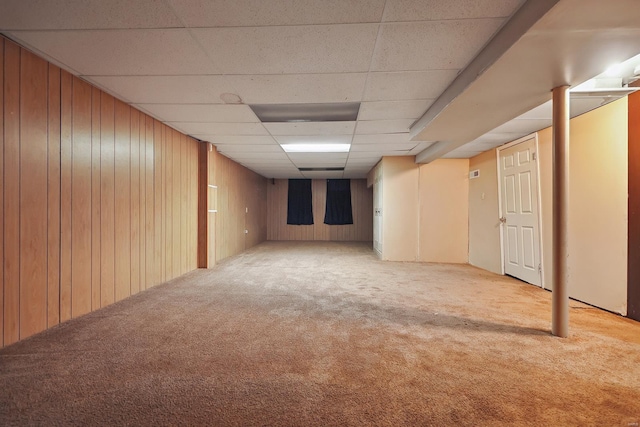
(322, 334)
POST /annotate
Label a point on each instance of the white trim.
(212, 211)
(533, 136)
(212, 186)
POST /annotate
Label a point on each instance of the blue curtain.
(300, 203)
(338, 209)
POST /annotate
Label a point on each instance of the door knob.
(503, 220)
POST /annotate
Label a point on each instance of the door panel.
(519, 191)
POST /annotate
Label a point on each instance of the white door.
(377, 212)
(519, 211)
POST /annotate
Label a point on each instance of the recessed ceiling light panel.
(316, 148)
(328, 112)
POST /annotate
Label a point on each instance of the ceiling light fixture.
(331, 112)
(316, 148)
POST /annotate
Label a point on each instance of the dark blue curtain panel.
(300, 203)
(338, 210)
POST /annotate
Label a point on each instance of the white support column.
(560, 296)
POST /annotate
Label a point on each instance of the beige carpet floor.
(324, 334)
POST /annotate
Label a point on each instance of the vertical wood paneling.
(159, 186)
(11, 193)
(175, 202)
(143, 200)
(135, 201)
(33, 180)
(203, 205)
(97, 200)
(2, 192)
(53, 199)
(152, 243)
(183, 202)
(107, 199)
(96, 184)
(66, 91)
(122, 200)
(362, 205)
(81, 199)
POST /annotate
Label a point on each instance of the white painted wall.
(598, 208)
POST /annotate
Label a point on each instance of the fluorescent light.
(316, 148)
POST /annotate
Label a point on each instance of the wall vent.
(474, 174)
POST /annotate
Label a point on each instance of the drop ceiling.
(197, 65)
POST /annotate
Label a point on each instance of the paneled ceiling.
(198, 64)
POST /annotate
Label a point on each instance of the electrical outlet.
(246, 231)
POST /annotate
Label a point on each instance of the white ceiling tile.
(122, 52)
(356, 162)
(238, 129)
(210, 113)
(431, 10)
(291, 49)
(323, 175)
(363, 155)
(268, 163)
(248, 148)
(299, 88)
(165, 89)
(85, 14)
(313, 139)
(283, 175)
(238, 13)
(311, 128)
(382, 147)
(383, 126)
(387, 110)
(391, 138)
(259, 156)
(318, 157)
(431, 45)
(408, 85)
(236, 139)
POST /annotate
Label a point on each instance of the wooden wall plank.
(2, 192)
(152, 268)
(143, 200)
(81, 199)
(53, 199)
(34, 79)
(11, 193)
(122, 200)
(183, 202)
(135, 201)
(96, 184)
(192, 167)
(203, 205)
(159, 214)
(107, 199)
(66, 91)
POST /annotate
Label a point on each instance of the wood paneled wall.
(362, 204)
(241, 204)
(98, 201)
